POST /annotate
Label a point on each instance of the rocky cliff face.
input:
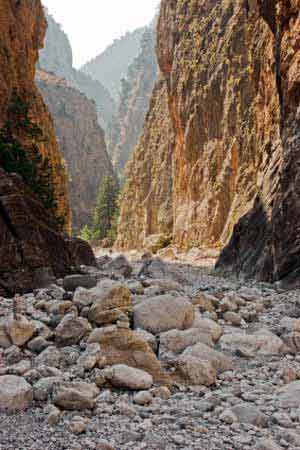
(30, 236)
(81, 142)
(111, 65)
(136, 91)
(230, 72)
(56, 57)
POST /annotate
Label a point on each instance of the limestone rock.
(247, 413)
(71, 330)
(72, 282)
(128, 377)
(15, 393)
(267, 444)
(78, 425)
(289, 396)
(143, 398)
(42, 390)
(120, 346)
(110, 300)
(195, 371)
(120, 266)
(20, 330)
(176, 341)
(75, 395)
(207, 326)
(219, 361)
(264, 343)
(164, 313)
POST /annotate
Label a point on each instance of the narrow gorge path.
(150, 355)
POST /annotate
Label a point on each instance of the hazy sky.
(93, 24)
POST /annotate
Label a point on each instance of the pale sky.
(92, 25)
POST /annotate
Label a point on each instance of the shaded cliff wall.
(30, 234)
(21, 35)
(136, 90)
(232, 76)
(82, 144)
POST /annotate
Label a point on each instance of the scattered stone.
(264, 343)
(75, 396)
(15, 393)
(110, 301)
(72, 282)
(128, 377)
(53, 415)
(164, 313)
(79, 425)
(246, 413)
(20, 330)
(143, 398)
(71, 330)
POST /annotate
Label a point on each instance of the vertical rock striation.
(136, 90)
(30, 232)
(81, 141)
(230, 75)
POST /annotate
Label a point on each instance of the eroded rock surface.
(228, 95)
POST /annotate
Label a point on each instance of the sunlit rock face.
(82, 144)
(136, 91)
(31, 235)
(230, 74)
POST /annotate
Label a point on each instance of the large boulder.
(262, 342)
(164, 313)
(123, 376)
(75, 396)
(122, 346)
(110, 301)
(119, 266)
(219, 361)
(194, 371)
(15, 393)
(247, 413)
(20, 330)
(71, 330)
(208, 326)
(176, 341)
(72, 282)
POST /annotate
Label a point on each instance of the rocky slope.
(56, 57)
(81, 142)
(34, 200)
(173, 358)
(231, 74)
(111, 65)
(135, 94)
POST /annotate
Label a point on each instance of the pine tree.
(106, 211)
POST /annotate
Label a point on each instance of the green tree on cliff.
(106, 211)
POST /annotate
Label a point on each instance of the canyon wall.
(136, 90)
(82, 144)
(230, 84)
(56, 57)
(34, 206)
(110, 66)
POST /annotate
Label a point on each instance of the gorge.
(174, 322)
